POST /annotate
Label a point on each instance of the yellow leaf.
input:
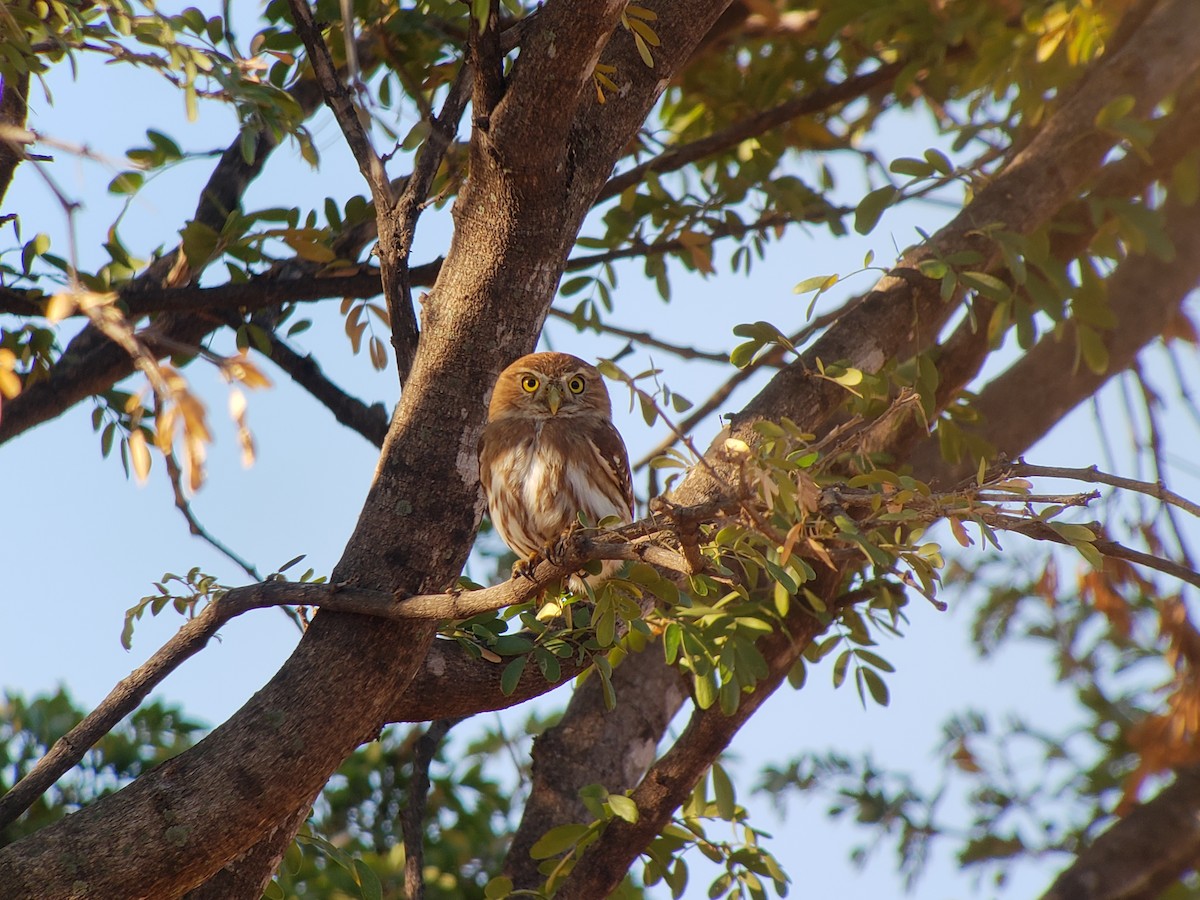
(164, 434)
(640, 12)
(246, 440)
(237, 405)
(195, 462)
(643, 51)
(241, 369)
(736, 446)
(139, 455)
(59, 306)
(697, 246)
(849, 378)
(10, 384)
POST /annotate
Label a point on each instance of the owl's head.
(549, 384)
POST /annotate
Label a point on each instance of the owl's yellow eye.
(529, 383)
(575, 384)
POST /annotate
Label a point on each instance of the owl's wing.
(616, 458)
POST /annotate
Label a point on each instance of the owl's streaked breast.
(542, 491)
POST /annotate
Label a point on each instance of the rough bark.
(594, 745)
(1142, 854)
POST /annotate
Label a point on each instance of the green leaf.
(575, 285)
(199, 243)
(126, 183)
(479, 12)
(819, 283)
(743, 354)
(918, 168)
(556, 840)
(723, 793)
(988, 285)
(939, 161)
(368, 881)
(840, 667)
(498, 888)
(706, 689)
(1092, 348)
(672, 638)
(512, 675)
(623, 807)
(871, 207)
(875, 684)
(874, 659)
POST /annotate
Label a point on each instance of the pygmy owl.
(550, 451)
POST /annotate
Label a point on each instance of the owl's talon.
(524, 568)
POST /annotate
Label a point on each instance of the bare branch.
(1093, 475)
(414, 813)
(398, 224)
(727, 138)
(369, 421)
(341, 102)
(175, 476)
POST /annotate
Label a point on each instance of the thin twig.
(1042, 531)
(341, 102)
(175, 476)
(1150, 402)
(1093, 475)
(644, 338)
(398, 224)
(816, 101)
(771, 359)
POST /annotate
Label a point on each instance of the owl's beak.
(553, 399)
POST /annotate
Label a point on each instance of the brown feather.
(541, 469)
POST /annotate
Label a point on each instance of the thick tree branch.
(14, 108)
(596, 747)
(671, 779)
(1141, 854)
(1143, 294)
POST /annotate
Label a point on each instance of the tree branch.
(341, 104)
(369, 421)
(414, 813)
(1141, 854)
(14, 108)
(727, 138)
(1093, 475)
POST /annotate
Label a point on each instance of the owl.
(550, 451)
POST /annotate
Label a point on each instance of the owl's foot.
(523, 568)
